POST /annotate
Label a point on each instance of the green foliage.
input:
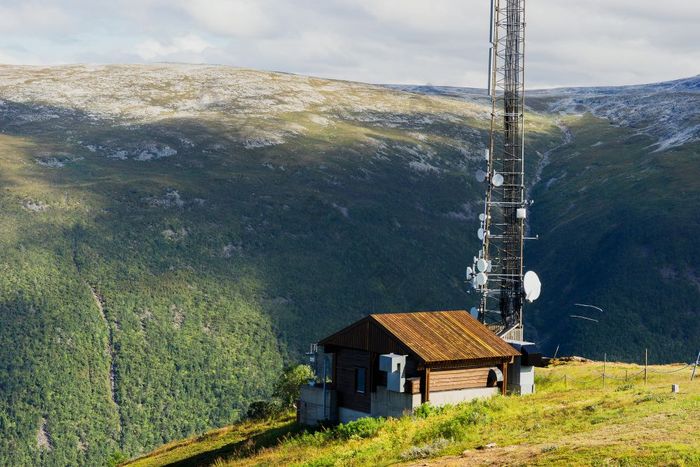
(362, 428)
(551, 427)
(456, 427)
(264, 409)
(625, 387)
(116, 458)
(288, 387)
(145, 301)
(426, 409)
(424, 451)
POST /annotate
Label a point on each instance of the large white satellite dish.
(497, 180)
(532, 286)
(480, 234)
(474, 312)
(482, 265)
(480, 175)
(480, 279)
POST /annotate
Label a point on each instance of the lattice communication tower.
(497, 272)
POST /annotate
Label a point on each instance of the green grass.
(204, 302)
(625, 423)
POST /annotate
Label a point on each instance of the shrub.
(116, 458)
(360, 429)
(426, 450)
(288, 387)
(456, 427)
(264, 409)
(624, 387)
(425, 410)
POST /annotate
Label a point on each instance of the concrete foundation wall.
(348, 415)
(311, 410)
(384, 403)
(387, 403)
(461, 395)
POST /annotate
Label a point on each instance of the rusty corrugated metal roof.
(439, 336)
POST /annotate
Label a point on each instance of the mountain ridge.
(226, 217)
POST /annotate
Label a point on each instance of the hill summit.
(174, 235)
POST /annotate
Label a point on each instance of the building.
(389, 364)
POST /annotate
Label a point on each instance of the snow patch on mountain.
(668, 112)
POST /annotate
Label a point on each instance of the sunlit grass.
(576, 422)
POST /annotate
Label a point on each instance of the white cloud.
(246, 18)
(443, 16)
(570, 42)
(25, 16)
(152, 49)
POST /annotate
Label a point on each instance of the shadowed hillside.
(174, 235)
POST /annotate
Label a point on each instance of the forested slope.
(172, 235)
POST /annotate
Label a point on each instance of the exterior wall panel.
(347, 362)
(466, 378)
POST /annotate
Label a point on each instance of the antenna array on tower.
(497, 272)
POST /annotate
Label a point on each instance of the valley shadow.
(243, 448)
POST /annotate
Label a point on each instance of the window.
(360, 380)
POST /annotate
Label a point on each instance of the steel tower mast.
(498, 270)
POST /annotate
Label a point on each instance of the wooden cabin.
(389, 364)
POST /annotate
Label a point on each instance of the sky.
(438, 42)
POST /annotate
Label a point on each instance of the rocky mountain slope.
(173, 235)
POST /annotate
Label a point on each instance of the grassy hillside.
(175, 235)
(568, 422)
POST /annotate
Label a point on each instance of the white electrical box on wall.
(395, 367)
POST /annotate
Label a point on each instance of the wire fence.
(604, 373)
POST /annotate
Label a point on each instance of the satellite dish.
(532, 286)
(480, 279)
(480, 234)
(497, 180)
(487, 153)
(482, 265)
(480, 175)
(482, 217)
(474, 312)
(470, 271)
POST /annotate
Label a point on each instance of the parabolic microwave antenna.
(498, 273)
(531, 286)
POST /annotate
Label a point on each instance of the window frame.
(363, 389)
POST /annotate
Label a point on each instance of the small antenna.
(584, 317)
(589, 306)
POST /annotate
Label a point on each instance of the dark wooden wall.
(347, 361)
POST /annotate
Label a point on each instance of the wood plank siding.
(450, 380)
(348, 361)
(445, 350)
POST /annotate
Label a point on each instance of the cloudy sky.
(441, 42)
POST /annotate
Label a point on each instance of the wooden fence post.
(646, 364)
(605, 362)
